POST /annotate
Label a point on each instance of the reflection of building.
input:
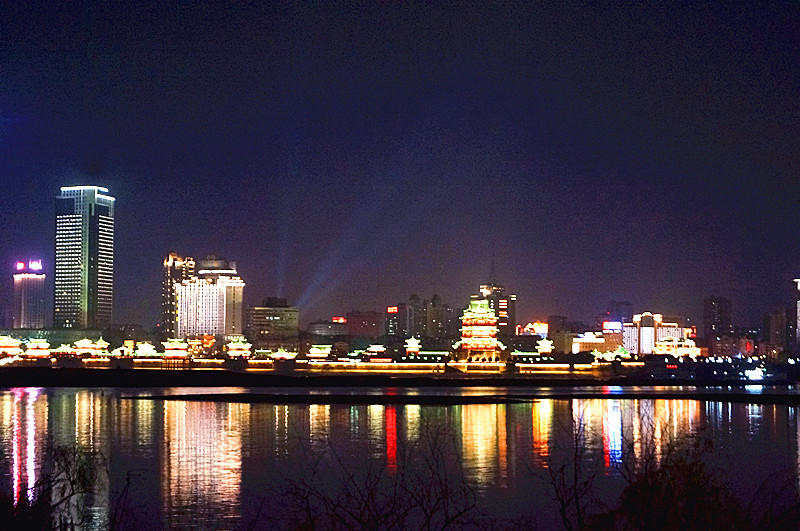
(640, 336)
(84, 265)
(29, 295)
(176, 270)
(504, 306)
(211, 302)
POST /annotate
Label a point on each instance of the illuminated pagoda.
(10, 346)
(479, 341)
(238, 348)
(37, 348)
(175, 348)
(146, 350)
(88, 348)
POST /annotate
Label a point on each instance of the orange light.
(392, 309)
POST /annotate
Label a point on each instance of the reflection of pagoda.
(479, 334)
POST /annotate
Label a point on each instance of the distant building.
(619, 311)
(398, 321)
(272, 321)
(212, 302)
(327, 328)
(364, 324)
(504, 306)
(646, 329)
(716, 320)
(84, 264)
(176, 269)
(30, 297)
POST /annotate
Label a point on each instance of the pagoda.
(37, 348)
(479, 341)
(238, 348)
(175, 348)
(10, 346)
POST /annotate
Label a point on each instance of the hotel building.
(210, 302)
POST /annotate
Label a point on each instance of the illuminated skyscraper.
(84, 264)
(29, 295)
(176, 270)
(211, 302)
(504, 306)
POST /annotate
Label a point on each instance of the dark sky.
(348, 155)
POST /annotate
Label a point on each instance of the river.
(217, 464)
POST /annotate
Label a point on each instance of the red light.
(20, 266)
(392, 309)
(341, 320)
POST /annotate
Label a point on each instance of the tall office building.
(84, 264)
(29, 295)
(504, 306)
(716, 318)
(176, 270)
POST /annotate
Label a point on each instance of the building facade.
(398, 321)
(84, 258)
(176, 269)
(504, 306)
(716, 320)
(30, 297)
(641, 335)
(212, 302)
(275, 319)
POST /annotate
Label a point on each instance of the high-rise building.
(716, 319)
(176, 270)
(29, 295)
(84, 262)
(398, 321)
(796, 321)
(210, 302)
(504, 306)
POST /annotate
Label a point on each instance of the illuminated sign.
(340, 320)
(612, 326)
(20, 266)
(392, 309)
(36, 265)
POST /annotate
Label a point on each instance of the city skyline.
(355, 156)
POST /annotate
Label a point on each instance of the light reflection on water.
(207, 464)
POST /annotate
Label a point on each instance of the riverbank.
(153, 378)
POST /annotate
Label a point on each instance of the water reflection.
(211, 461)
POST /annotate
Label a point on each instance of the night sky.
(348, 155)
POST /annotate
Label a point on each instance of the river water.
(184, 464)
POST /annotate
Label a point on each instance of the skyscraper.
(176, 270)
(211, 302)
(29, 295)
(84, 264)
(504, 306)
(716, 318)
